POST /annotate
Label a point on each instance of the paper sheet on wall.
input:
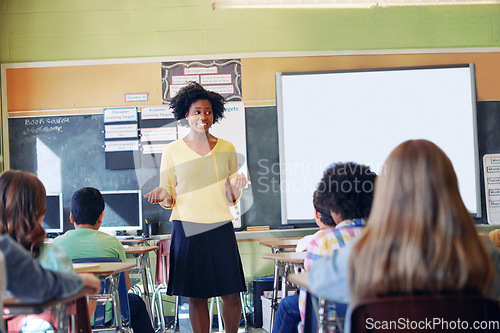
(491, 166)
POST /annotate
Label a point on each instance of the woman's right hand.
(158, 195)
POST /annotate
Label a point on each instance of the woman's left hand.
(239, 181)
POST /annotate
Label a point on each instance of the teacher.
(199, 180)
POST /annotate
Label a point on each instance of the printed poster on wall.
(121, 138)
(158, 127)
(220, 76)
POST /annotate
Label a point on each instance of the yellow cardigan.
(198, 183)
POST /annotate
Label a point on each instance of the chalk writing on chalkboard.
(44, 125)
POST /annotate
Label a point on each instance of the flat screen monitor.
(123, 210)
(362, 115)
(53, 219)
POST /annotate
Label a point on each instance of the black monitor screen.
(123, 210)
(52, 222)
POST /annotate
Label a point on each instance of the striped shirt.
(322, 244)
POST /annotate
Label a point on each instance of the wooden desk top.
(134, 240)
(291, 257)
(281, 243)
(138, 249)
(103, 268)
(27, 308)
(299, 280)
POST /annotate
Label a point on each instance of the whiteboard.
(363, 115)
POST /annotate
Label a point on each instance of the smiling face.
(200, 116)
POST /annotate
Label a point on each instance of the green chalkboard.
(67, 153)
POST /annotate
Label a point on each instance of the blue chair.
(100, 312)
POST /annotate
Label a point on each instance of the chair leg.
(157, 304)
(176, 315)
(211, 313)
(219, 315)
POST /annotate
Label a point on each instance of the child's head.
(87, 205)
(345, 192)
(22, 208)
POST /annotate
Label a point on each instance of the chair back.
(162, 261)
(100, 312)
(440, 313)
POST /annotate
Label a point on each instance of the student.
(22, 209)
(199, 180)
(26, 280)
(420, 238)
(342, 201)
(86, 241)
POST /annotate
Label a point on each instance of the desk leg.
(59, 312)
(274, 300)
(144, 260)
(284, 284)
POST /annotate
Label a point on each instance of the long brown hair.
(22, 205)
(419, 238)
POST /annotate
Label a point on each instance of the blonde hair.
(419, 238)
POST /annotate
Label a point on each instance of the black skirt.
(206, 264)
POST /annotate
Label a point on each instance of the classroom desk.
(111, 271)
(103, 268)
(66, 321)
(135, 241)
(141, 254)
(282, 260)
(281, 243)
(299, 280)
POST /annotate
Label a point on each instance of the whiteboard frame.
(281, 143)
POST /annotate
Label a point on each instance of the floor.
(241, 330)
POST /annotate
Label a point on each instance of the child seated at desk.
(86, 241)
(28, 282)
(342, 201)
(22, 209)
(420, 237)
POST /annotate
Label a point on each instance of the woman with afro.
(199, 180)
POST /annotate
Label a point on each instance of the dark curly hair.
(22, 204)
(193, 92)
(326, 217)
(346, 189)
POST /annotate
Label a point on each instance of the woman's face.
(200, 116)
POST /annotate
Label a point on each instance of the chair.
(161, 281)
(439, 313)
(106, 295)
